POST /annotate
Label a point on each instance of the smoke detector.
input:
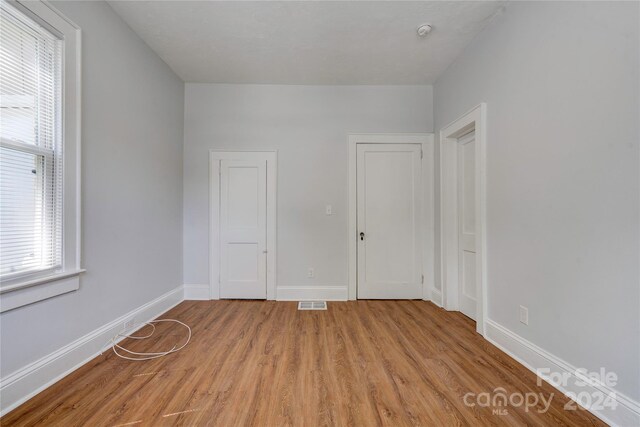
(424, 29)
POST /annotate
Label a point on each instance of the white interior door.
(388, 221)
(467, 225)
(243, 231)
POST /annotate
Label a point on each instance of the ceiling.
(307, 42)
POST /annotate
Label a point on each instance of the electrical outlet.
(524, 315)
(129, 324)
(329, 210)
(310, 273)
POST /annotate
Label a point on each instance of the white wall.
(132, 124)
(561, 83)
(309, 127)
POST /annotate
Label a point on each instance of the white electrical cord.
(146, 355)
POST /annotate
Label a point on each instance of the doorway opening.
(463, 215)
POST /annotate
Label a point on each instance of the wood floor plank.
(264, 363)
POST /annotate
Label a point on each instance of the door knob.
(361, 235)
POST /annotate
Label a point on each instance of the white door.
(388, 225)
(243, 231)
(467, 225)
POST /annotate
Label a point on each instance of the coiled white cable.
(147, 355)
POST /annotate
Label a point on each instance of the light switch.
(329, 210)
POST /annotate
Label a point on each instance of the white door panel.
(243, 234)
(467, 225)
(388, 212)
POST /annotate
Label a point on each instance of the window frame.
(35, 287)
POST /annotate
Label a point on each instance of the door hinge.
(423, 279)
(421, 154)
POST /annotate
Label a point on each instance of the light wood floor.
(260, 363)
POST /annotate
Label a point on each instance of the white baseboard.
(312, 293)
(197, 292)
(436, 297)
(626, 412)
(284, 293)
(20, 386)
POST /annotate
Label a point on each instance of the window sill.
(38, 289)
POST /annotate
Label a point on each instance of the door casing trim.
(427, 201)
(215, 156)
(474, 120)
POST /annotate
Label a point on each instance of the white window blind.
(30, 146)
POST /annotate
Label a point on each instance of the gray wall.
(132, 125)
(561, 84)
(309, 127)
